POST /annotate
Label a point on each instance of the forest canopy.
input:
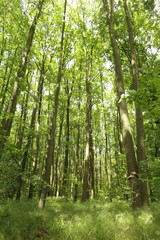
(80, 100)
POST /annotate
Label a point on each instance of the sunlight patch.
(146, 218)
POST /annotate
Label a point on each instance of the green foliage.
(9, 169)
(154, 178)
(86, 27)
(149, 93)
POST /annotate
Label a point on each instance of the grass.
(65, 220)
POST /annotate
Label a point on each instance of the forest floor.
(65, 220)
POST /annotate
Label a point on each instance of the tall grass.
(64, 220)
(22, 221)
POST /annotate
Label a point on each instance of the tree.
(125, 122)
(71, 129)
(66, 160)
(51, 140)
(88, 178)
(6, 124)
(141, 156)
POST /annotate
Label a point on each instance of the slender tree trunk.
(119, 133)
(77, 162)
(22, 123)
(25, 155)
(141, 156)
(3, 43)
(66, 160)
(107, 155)
(116, 154)
(88, 179)
(100, 171)
(6, 81)
(57, 162)
(38, 110)
(124, 117)
(7, 122)
(51, 141)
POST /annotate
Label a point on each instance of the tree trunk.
(25, 155)
(124, 117)
(6, 80)
(77, 162)
(22, 121)
(141, 156)
(119, 133)
(57, 162)
(66, 160)
(107, 158)
(51, 141)
(7, 122)
(4, 42)
(39, 108)
(88, 179)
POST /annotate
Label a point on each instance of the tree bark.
(38, 110)
(6, 80)
(66, 160)
(77, 161)
(107, 159)
(22, 121)
(51, 141)
(3, 43)
(88, 179)
(124, 116)
(141, 155)
(25, 155)
(57, 162)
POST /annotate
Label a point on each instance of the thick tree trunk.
(124, 117)
(7, 122)
(141, 156)
(51, 141)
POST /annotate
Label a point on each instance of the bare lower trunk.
(25, 155)
(57, 162)
(66, 160)
(88, 179)
(77, 161)
(141, 156)
(108, 163)
(124, 117)
(38, 112)
(51, 141)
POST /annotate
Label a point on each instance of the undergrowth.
(65, 220)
